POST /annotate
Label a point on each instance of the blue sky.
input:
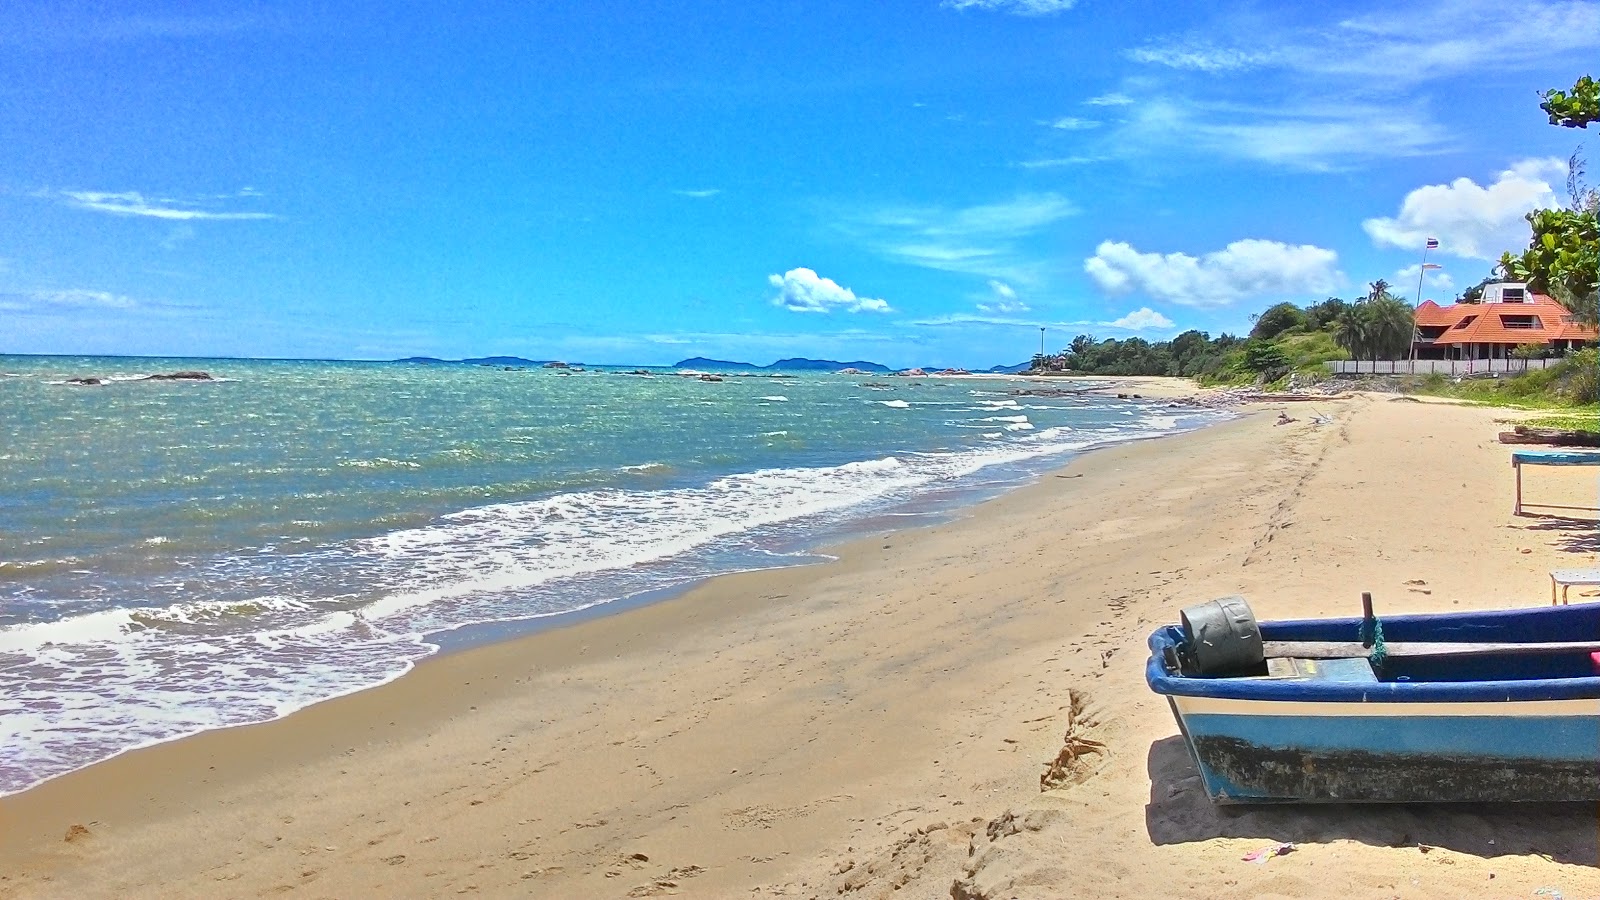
(909, 181)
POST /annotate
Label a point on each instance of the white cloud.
(1114, 98)
(1015, 7)
(1243, 270)
(1072, 123)
(1405, 280)
(82, 299)
(979, 240)
(1472, 220)
(1001, 299)
(1398, 45)
(64, 302)
(1142, 319)
(1197, 57)
(701, 194)
(1317, 137)
(803, 290)
(995, 321)
(1060, 162)
(132, 203)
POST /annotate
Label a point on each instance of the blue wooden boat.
(1476, 706)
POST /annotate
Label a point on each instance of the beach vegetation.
(1277, 319)
(1571, 384)
(1379, 327)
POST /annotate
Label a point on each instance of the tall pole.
(1041, 340)
(1416, 333)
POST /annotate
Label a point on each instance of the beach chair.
(1566, 578)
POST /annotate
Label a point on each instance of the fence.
(1429, 366)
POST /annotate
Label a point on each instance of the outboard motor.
(1221, 637)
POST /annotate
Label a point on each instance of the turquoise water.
(178, 556)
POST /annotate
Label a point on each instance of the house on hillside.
(1510, 315)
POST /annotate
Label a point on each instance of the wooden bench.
(1566, 578)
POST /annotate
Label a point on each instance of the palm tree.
(1393, 325)
(1351, 332)
(1379, 289)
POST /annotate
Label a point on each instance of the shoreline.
(814, 549)
(746, 731)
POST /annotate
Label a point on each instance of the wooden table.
(1520, 458)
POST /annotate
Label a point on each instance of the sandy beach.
(877, 726)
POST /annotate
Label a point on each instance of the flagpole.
(1416, 333)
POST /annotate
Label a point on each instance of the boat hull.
(1260, 752)
(1510, 726)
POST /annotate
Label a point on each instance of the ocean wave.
(380, 462)
(644, 467)
(775, 399)
(894, 404)
(513, 546)
(164, 671)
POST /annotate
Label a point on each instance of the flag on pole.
(1431, 266)
(1433, 244)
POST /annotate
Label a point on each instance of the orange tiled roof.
(1474, 323)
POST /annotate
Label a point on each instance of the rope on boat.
(1374, 639)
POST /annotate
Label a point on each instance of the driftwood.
(1557, 437)
(1290, 398)
(1354, 649)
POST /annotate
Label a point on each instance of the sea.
(183, 556)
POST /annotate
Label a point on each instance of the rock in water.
(181, 376)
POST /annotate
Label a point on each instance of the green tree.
(1321, 315)
(1378, 328)
(1351, 333)
(1575, 108)
(1266, 358)
(1526, 352)
(1392, 324)
(1277, 319)
(1563, 259)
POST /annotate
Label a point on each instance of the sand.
(877, 726)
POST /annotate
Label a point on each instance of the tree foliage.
(1265, 358)
(1563, 256)
(1321, 315)
(1380, 327)
(1563, 259)
(1189, 354)
(1277, 319)
(1575, 108)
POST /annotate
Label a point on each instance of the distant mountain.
(422, 359)
(1010, 370)
(504, 361)
(795, 364)
(720, 365)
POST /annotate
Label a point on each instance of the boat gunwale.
(1398, 628)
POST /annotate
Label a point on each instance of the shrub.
(1581, 371)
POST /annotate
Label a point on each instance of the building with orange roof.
(1509, 316)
